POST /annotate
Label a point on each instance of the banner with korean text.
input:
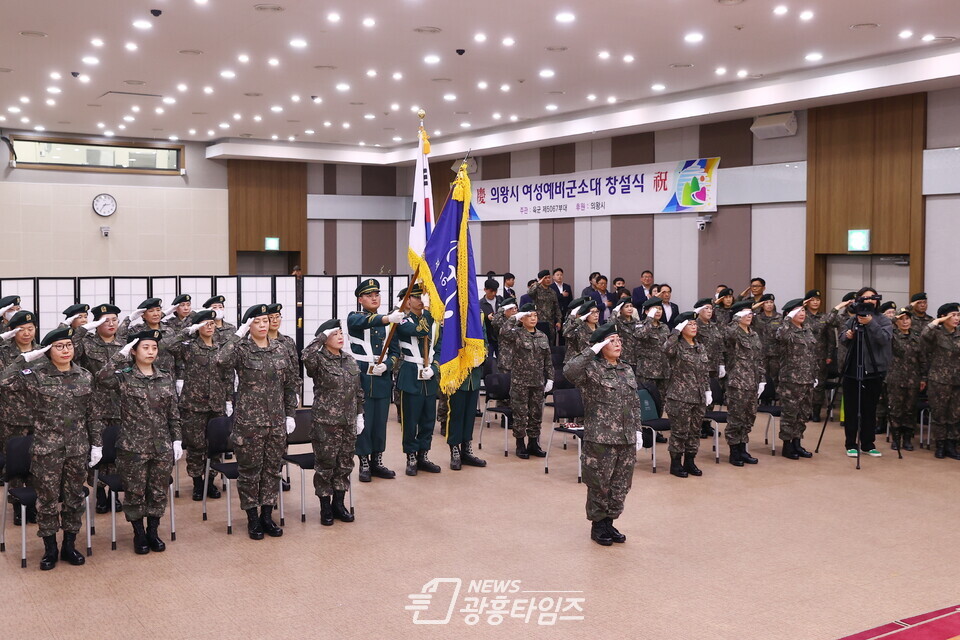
(664, 187)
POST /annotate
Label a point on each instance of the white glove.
(597, 348)
(93, 324)
(96, 455)
(652, 311)
(168, 312)
(125, 352)
(136, 321)
(229, 409)
(379, 369)
(179, 387)
(709, 397)
(763, 385)
(395, 317)
(177, 450)
(680, 327)
(815, 382)
(359, 424)
(519, 315)
(722, 373)
(9, 334)
(136, 314)
(427, 373)
(244, 329)
(192, 329)
(69, 321)
(298, 399)
(547, 388)
(291, 425)
(585, 316)
(30, 356)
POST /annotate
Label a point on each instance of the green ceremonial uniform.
(367, 334)
(418, 398)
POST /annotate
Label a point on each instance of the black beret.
(203, 316)
(103, 309)
(725, 292)
(848, 296)
(507, 302)
(529, 307)
(914, 298)
(766, 297)
(889, 304)
(813, 293)
(490, 283)
(213, 300)
(623, 301)
(737, 307)
(183, 297)
(542, 273)
(652, 302)
(702, 302)
(63, 333)
(255, 311)
(790, 305)
(150, 303)
(6, 301)
(276, 307)
(146, 334)
(74, 309)
(603, 332)
(686, 316)
(949, 307)
(329, 325)
(21, 318)
(369, 285)
(586, 307)
(575, 304)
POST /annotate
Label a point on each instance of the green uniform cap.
(148, 334)
(276, 307)
(529, 307)
(150, 303)
(369, 285)
(652, 302)
(183, 297)
(791, 305)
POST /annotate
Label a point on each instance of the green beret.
(686, 316)
(813, 293)
(367, 286)
(575, 304)
(586, 307)
(790, 305)
(889, 304)
(74, 309)
(529, 307)
(150, 303)
(203, 316)
(767, 297)
(276, 307)
(622, 301)
(103, 309)
(147, 334)
(848, 296)
(507, 302)
(914, 298)
(183, 297)
(213, 300)
(329, 325)
(652, 302)
(949, 307)
(21, 318)
(63, 333)
(10, 300)
(255, 311)
(742, 305)
(603, 332)
(702, 302)
(725, 292)
(542, 273)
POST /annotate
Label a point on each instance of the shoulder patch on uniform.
(26, 372)
(127, 370)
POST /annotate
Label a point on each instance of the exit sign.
(271, 244)
(858, 240)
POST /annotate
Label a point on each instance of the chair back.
(557, 354)
(567, 404)
(18, 458)
(769, 395)
(497, 386)
(489, 366)
(560, 381)
(718, 393)
(109, 445)
(648, 407)
(654, 394)
(218, 436)
(301, 433)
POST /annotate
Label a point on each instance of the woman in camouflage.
(906, 378)
(743, 360)
(688, 394)
(577, 333)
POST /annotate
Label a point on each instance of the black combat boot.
(522, 449)
(198, 489)
(895, 436)
(411, 464)
(267, 524)
(103, 503)
(533, 448)
(950, 449)
(68, 550)
(690, 466)
(815, 416)
(735, 455)
(153, 538)
(364, 468)
(938, 451)
(212, 491)
(798, 447)
(676, 465)
(600, 534)
(254, 528)
(455, 460)
(326, 511)
(140, 545)
(788, 451)
(615, 535)
(706, 431)
(284, 484)
(340, 511)
(745, 456)
(907, 440)
(660, 438)
(424, 463)
(466, 455)
(377, 468)
(49, 559)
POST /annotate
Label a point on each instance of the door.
(889, 275)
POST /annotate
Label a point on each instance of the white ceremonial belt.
(413, 359)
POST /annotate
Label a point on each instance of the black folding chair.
(304, 461)
(498, 390)
(567, 405)
(716, 417)
(767, 405)
(651, 412)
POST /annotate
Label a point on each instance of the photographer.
(868, 337)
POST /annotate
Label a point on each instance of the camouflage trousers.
(902, 407)
(795, 409)
(146, 480)
(527, 405)
(259, 450)
(771, 366)
(608, 474)
(443, 410)
(57, 477)
(374, 436)
(418, 416)
(685, 421)
(462, 417)
(944, 410)
(194, 426)
(741, 414)
(333, 451)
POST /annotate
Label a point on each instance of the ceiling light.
(298, 43)
(482, 84)
(346, 125)
(142, 24)
(100, 125)
(169, 100)
(192, 132)
(237, 116)
(200, 1)
(210, 132)
(257, 118)
(806, 15)
(276, 108)
(497, 116)
(90, 60)
(449, 97)
(128, 118)
(13, 109)
(181, 87)
(54, 75)
(397, 75)
(371, 73)
(604, 55)
(742, 73)
(109, 134)
(84, 78)
(343, 86)
(508, 41)
(173, 138)
(130, 46)
(273, 62)
(929, 37)
(592, 97)
(906, 33)
(24, 99)
(465, 125)
(721, 71)
(135, 109)
(437, 132)
(693, 37)
(547, 73)
(158, 110)
(397, 138)
(514, 118)
(227, 73)
(333, 17)
(208, 90)
(274, 137)
(53, 89)
(51, 102)
(244, 58)
(628, 58)
(780, 10)
(395, 107)
(369, 116)
(658, 86)
(224, 125)
(309, 132)
(480, 37)
(295, 98)
(431, 59)
(97, 42)
(316, 99)
(611, 99)
(38, 128)
(362, 143)
(815, 56)
(369, 22)
(505, 87)
(414, 108)
(290, 138)
(24, 119)
(327, 123)
(565, 16)
(551, 107)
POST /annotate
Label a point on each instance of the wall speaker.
(778, 125)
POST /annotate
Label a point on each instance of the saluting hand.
(125, 352)
(6, 335)
(93, 324)
(597, 348)
(30, 356)
(244, 329)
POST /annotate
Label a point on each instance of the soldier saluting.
(531, 376)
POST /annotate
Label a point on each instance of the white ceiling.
(770, 48)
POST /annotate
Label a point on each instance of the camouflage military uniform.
(337, 401)
(943, 386)
(907, 371)
(206, 390)
(686, 401)
(58, 406)
(577, 334)
(653, 367)
(14, 408)
(266, 397)
(532, 367)
(149, 424)
(164, 359)
(611, 419)
(798, 361)
(504, 356)
(627, 330)
(919, 321)
(711, 337)
(418, 398)
(744, 363)
(817, 323)
(722, 316)
(293, 353)
(367, 335)
(548, 309)
(767, 327)
(224, 331)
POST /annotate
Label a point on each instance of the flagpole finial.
(421, 114)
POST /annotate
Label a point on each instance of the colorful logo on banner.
(695, 184)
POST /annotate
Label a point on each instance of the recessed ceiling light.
(592, 97)
(24, 119)
(142, 24)
(100, 125)
(414, 108)
(482, 84)
(547, 73)
(397, 138)
(97, 42)
(369, 22)
(90, 60)
(806, 15)
(780, 10)
(169, 100)
(273, 62)
(192, 132)
(369, 116)
(274, 137)
(316, 99)
(604, 55)
(551, 107)
(54, 75)
(237, 116)
(565, 16)
(465, 125)
(929, 37)
(362, 143)
(658, 86)
(210, 132)
(276, 108)
(327, 123)
(480, 37)
(343, 86)
(514, 118)
(224, 125)
(13, 109)
(333, 17)
(431, 59)
(628, 58)
(742, 73)
(611, 99)
(135, 109)
(291, 138)
(257, 118)
(53, 89)
(720, 71)
(505, 87)
(298, 43)
(130, 46)
(906, 33)
(309, 132)
(371, 73)
(158, 110)
(814, 56)
(208, 90)
(397, 75)
(693, 37)
(449, 97)
(109, 134)
(200, 1)
(395, 107)
(227, 73)
(51, 102)
(173, 138)
(244, 58)
(497, 116)
(38, 128)
(295, 98)
(84, 78)
(346, 125)
(508, 41)
(128, 118)
(437, 132)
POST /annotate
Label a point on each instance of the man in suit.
(671, 312)
(641, 293)
(508, 281)
(561, 288)
(489, 304)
